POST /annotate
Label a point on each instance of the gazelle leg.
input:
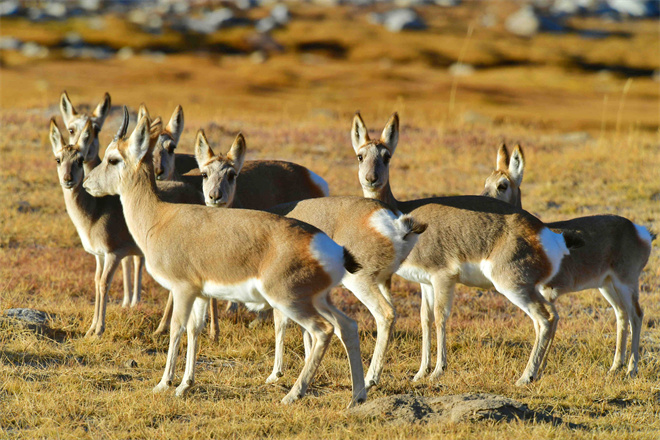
(426, 315)
(196, 322)
(280, 321)
(109, 267)
(213, 325)
(444, 296)
(138, 263)
(167, 315)
(545, 322)
(613, 296)
(97, 294)
(636, 317)
(126, 273)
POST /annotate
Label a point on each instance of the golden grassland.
(298, 106)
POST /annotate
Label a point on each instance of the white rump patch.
(247, 292)
(644, 234)
(394, 228)
(555, 248)
(320, 182)
(330, 255)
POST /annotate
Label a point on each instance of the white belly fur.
(247, 292)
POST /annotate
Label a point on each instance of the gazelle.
(261, 184)
(376, 236)
(611, 260)
(74, 123)
(470, 240)
(258, 258)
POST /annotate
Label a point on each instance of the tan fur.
(187, 247)
(469, 239)
(611, 259)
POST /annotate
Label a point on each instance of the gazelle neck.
(383, 194)
(139, 202)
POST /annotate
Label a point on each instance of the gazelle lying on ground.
(262, 184)
(471, 240)
(611, 260)
(74, 123)
(377, 237)
(254, 257)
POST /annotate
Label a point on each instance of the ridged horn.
(123, 127)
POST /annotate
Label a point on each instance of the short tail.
(572, 240)
(350, 263)
(408, 226)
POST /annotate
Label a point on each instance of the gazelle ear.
(68, 112)
(138, 143)
(56, 139)
(156, 127)
(517, 164)
(175, 126)
(203, 152)
(102, 110)
(502, 163)
(237, 152)
(359, 132)
(85, 139)
(143, 111)
(390, 135)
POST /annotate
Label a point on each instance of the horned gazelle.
(471, 240)
(611, 260)
(74, 123)
(377, 237)
(254, 257)
(254, 184)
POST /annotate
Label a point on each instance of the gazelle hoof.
(274, 377)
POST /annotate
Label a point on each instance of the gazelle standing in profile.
(262, 184)
(612, 258)
(378, 238)
(258, 258)
(74, 123)
(470, 240)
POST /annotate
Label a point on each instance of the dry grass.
(298, 107)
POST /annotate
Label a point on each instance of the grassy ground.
(298, 106)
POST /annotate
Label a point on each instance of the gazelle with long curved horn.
(379, 239)
(470, 240)
(258, 258)
(611, 260)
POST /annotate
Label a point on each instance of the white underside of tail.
(330, 255)
(644, 234)
(394, 228)
(320, 182)
(555, 249)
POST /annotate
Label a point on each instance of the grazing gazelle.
(471, 240)
(379, 239)
(614, 254)
(262, 184)
(74, 123)
(258, 258)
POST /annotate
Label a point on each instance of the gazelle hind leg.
(138, 264)
(126, 272)
(109, 267)
(636, 317)
(181, 308)
(196, 322)
(167, 316)
(97, 294)
(280, 321)
(443, 289)
(621, 311)
(346, 330)
(213, 324)
(426, 318)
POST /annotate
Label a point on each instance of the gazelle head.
(124, 159)
(70, 157)
(374, 155)
(504, 183)
(219, 172)
(74, 121)
(163, 154)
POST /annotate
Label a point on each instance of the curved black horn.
(123, 127)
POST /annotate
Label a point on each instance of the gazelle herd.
(285, 243)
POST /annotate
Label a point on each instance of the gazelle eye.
(113, 161)
(502, 186)
(71, 130)
(57, 159)
(205, 176)
(360, 157)
(386, 158)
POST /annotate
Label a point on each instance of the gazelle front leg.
(138, 263)
(196, 322)
(213, 325)
(613, 296)
(280, 322)
(545, 325)
(426, 316)
(126, 273)
(109, 267)
(97, 294)
(444, 296)
(181, 308)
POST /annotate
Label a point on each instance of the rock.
(403, 19)
(281, 15)
(55, 10)
(263, 42)
(9, 8)
(447, 3)
(470, 407)
(73, 39)
(523, 23)
(131, 363)
(632, 8)
(266, 25)
(461, 69)
(10, 43)
(258, 57)
(30, 316)
(90, 5)
(125, 53)
(34, 50)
